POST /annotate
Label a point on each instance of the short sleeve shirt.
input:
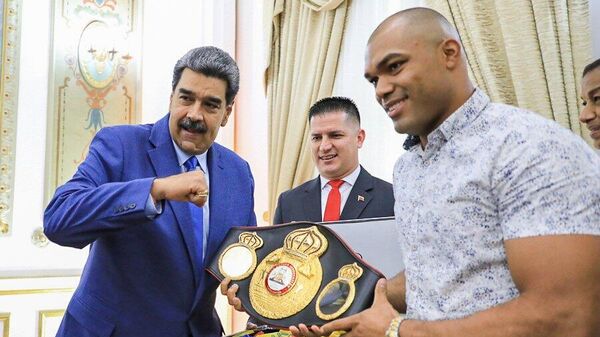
(489, 173)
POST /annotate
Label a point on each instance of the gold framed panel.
(9, 86)
(5, 319)
(95, 63)
(13, 292)
(47, 314)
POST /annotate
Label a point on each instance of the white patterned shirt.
(489, 173)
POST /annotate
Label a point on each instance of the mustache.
(193, 126)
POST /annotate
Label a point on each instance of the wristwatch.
(394, 329)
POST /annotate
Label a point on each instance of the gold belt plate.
(287, 280)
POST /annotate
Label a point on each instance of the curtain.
(304, 42)
(528, 53)
(382, 145)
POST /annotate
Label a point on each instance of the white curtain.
(382, 145)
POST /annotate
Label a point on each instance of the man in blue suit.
(154, 202)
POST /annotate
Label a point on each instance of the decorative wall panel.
(9, 84)
(49, 321)
(95, 65)
(4, 324)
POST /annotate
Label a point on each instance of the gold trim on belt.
(238, 260)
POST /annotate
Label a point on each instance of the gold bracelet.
(394, 329)
(202, 194)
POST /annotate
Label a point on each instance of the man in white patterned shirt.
(498, 208)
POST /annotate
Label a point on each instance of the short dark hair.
(212, 62)
(334, 104)
(591, 67)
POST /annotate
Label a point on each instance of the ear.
(228, 110)
(452, 51)
(361, 137)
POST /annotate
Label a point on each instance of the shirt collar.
(182, 156)
(457, 121)
(350, 179)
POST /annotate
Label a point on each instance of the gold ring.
(202, 194)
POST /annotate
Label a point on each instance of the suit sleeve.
(95, 202)
(278, 217)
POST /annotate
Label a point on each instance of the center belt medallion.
(287, 279)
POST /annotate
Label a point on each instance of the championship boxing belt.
(294, 273)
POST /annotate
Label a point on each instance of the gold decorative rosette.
(238, 260)
(287, 279)
(338, 295)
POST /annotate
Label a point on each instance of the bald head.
(423, 23)
(417, 65)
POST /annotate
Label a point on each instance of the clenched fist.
(189, 186)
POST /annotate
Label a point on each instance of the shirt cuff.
(152, 208)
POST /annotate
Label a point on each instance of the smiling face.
(590, 115)
(335, 140)
(408, 72)
(198, 109)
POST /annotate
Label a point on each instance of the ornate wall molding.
(44, 316)
(9, 85)
(5, 319)
(95, 63)
(14, 292)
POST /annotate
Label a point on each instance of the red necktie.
(334, 200)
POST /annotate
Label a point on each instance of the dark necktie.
(334, 200)
(197, 215)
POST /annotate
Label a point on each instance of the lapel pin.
(361, 198)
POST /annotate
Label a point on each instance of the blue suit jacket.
(140, 278)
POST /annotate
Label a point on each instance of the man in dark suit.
(139, 200)
(335, 137)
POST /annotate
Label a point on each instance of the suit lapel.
(359, 196)
(164, 160)
(219, 198)
(312, 201)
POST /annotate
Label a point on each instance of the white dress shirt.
(345, 189)
(182, 157)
